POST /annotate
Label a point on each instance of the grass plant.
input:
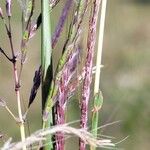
(60, 84)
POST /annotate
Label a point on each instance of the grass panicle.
(56, 87)
(88, 67)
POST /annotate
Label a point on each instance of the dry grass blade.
(6, 145)
(41, 135)
(2, 103)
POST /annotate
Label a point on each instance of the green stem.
(100, 46)
(46, 51)
(46, 37)
(98, 99)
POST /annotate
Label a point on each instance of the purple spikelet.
(88, 68)
(36, 84)
(68, 72)
(61, 22)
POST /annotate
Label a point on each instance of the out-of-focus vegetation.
(142, 1)
(125, 81)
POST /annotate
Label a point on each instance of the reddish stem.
(17, 86)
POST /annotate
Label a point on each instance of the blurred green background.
(125, 80)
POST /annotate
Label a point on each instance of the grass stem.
(98, 99)
(46, 51)
(100, 46)
(17, 86)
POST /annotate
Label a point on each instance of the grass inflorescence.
(60, 84)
